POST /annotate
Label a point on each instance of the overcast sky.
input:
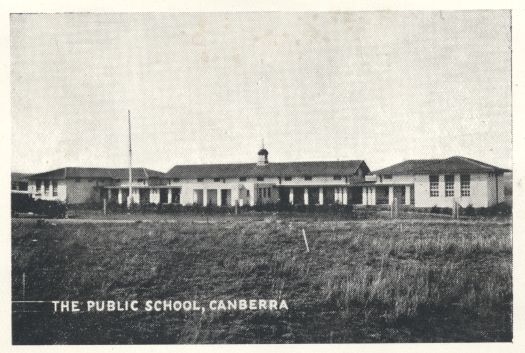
(206, 88)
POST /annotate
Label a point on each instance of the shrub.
(501, 209)
(469, 211)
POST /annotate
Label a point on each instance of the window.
(176, 180)
(307, 177)
(449, 185)
(216, 179)
(337, 177)
(200, 180)
(388, 176)
(287, 178)
(46, 187)
(55, 187)
(434, 185)
(465, 185)
(38, 186)
(242, 179)
(247, 193)
(260, 178)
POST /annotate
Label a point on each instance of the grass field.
(362, 281)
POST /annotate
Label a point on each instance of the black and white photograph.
(261, 177)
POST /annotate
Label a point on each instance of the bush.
(113, 207)
(469, 211)
(501, 209)
(88, 205)
(441, 210)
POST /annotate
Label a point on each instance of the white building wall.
(478, 192)
(316, 181)
(501, 188)
(61, 191)
(237, 189)
(496, 189)
(135, 193)
(154, 196)
(369, 195)
(396, 179)
(492, 192)
(134, 182)
(186, 195)
(296, 181)
(245, 192)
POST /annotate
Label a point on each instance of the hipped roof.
(235, 170)
(455, 164)
(97, 173)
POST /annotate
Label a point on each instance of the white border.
(518, 20)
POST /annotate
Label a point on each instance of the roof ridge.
(65, 173)
(145, 173)
(424, 162)
(485, 165)
(433, 161)
(253, 163)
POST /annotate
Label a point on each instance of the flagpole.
(130, 197)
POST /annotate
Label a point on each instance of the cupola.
(262, 156)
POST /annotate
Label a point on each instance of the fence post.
(394, 208)
(455, 210)
(306, 241)
(396, 203)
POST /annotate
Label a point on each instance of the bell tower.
(262, 155)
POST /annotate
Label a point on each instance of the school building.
(420, 183)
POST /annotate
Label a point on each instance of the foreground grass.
(374, 281)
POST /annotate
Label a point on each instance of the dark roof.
(263, 152)
(19, 176)
(456, 164)
(106, 173)
(269, 170)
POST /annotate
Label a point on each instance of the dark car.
(24, 204)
